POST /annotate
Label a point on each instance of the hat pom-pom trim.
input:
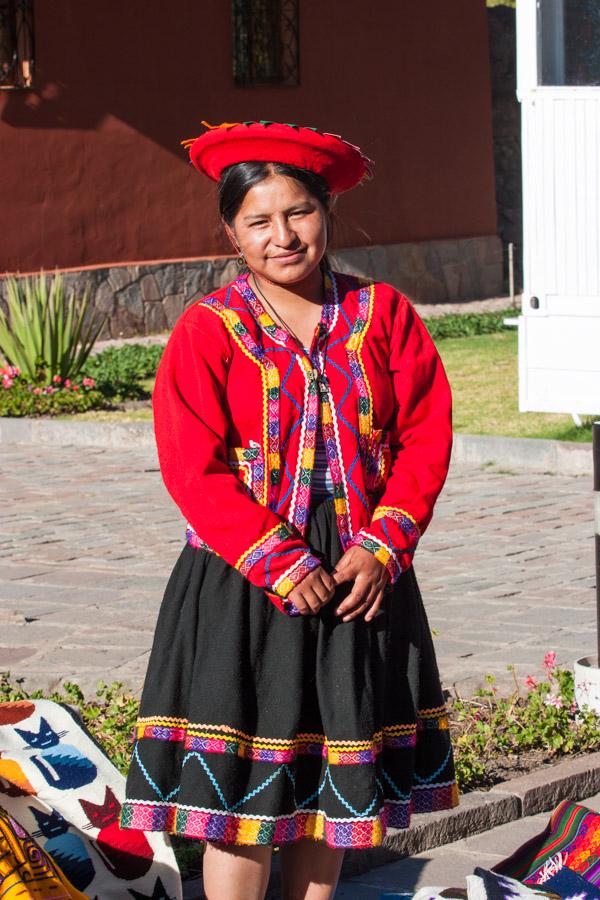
(226, 126)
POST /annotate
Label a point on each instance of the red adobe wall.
(92, 171)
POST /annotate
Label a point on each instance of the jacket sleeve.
(420, 444)
(191, 427)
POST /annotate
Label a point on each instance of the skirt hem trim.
(222, 827)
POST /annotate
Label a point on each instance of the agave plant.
(44, 333)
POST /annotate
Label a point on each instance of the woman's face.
(281, 229)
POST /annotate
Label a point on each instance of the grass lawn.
(483, 374)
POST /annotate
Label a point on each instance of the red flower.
(56, 379)
(531, 682)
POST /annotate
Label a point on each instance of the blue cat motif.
(67, 849)
(63, 766)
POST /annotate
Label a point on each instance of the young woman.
(303, 427)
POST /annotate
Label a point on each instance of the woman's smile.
(282, 231)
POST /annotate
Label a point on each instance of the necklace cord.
(287, 327)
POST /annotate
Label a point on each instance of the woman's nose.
(282, 233)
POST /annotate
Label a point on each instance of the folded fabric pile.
(571, 840)
(561, 862)
(60, 800)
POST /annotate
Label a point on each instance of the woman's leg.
(230, 872)
(309, 870)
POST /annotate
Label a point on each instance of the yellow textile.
(26, 872)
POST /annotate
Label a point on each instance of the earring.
(241, 261)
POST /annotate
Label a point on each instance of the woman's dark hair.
(237, 180)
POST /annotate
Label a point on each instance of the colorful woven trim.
(294, 575)
(263, 547)
(360, 833)
(333, 449)
(377, 460)
(380, 551)
(571, 839)
(223, 739)
(249, 461)
(385, 550)
(366, 297)
(300, 500)
(194, 540)
(402, 518)
(271, 390)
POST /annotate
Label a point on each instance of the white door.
(559, 88)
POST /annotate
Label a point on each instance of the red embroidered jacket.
(236, 407)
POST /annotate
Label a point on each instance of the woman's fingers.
(374, 606)
(356, 597)
(313, 600)
(313, 592)
(328, 583)
(357, 611)
(300, 604)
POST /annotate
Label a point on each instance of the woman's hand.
(314, 591)
(370, 578)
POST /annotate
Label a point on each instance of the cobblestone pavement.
(88, 537)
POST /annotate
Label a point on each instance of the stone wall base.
(148, 298)
(432, 271)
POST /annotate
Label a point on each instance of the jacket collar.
(329, 312)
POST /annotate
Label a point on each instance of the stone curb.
(61, 432)
(516, 454)
(540, 791)
(531, 454)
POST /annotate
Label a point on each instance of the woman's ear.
(231, 235)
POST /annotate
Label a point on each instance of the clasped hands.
(358, 565)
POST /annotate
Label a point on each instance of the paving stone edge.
(513, 454)
(540, 791)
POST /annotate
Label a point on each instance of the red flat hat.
(341, 164)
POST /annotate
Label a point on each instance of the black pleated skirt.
(260, 728)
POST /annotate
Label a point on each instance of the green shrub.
(466, 324)
(18, 397)
(489, 727)
(117, 371)
(43, 334)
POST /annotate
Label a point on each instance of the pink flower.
(555, 701)
(50, 390)
(57, 379)
(531, 682)
(550, 661)
(67, 382)
(7, 382)
(37, 390)
(88, 382)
